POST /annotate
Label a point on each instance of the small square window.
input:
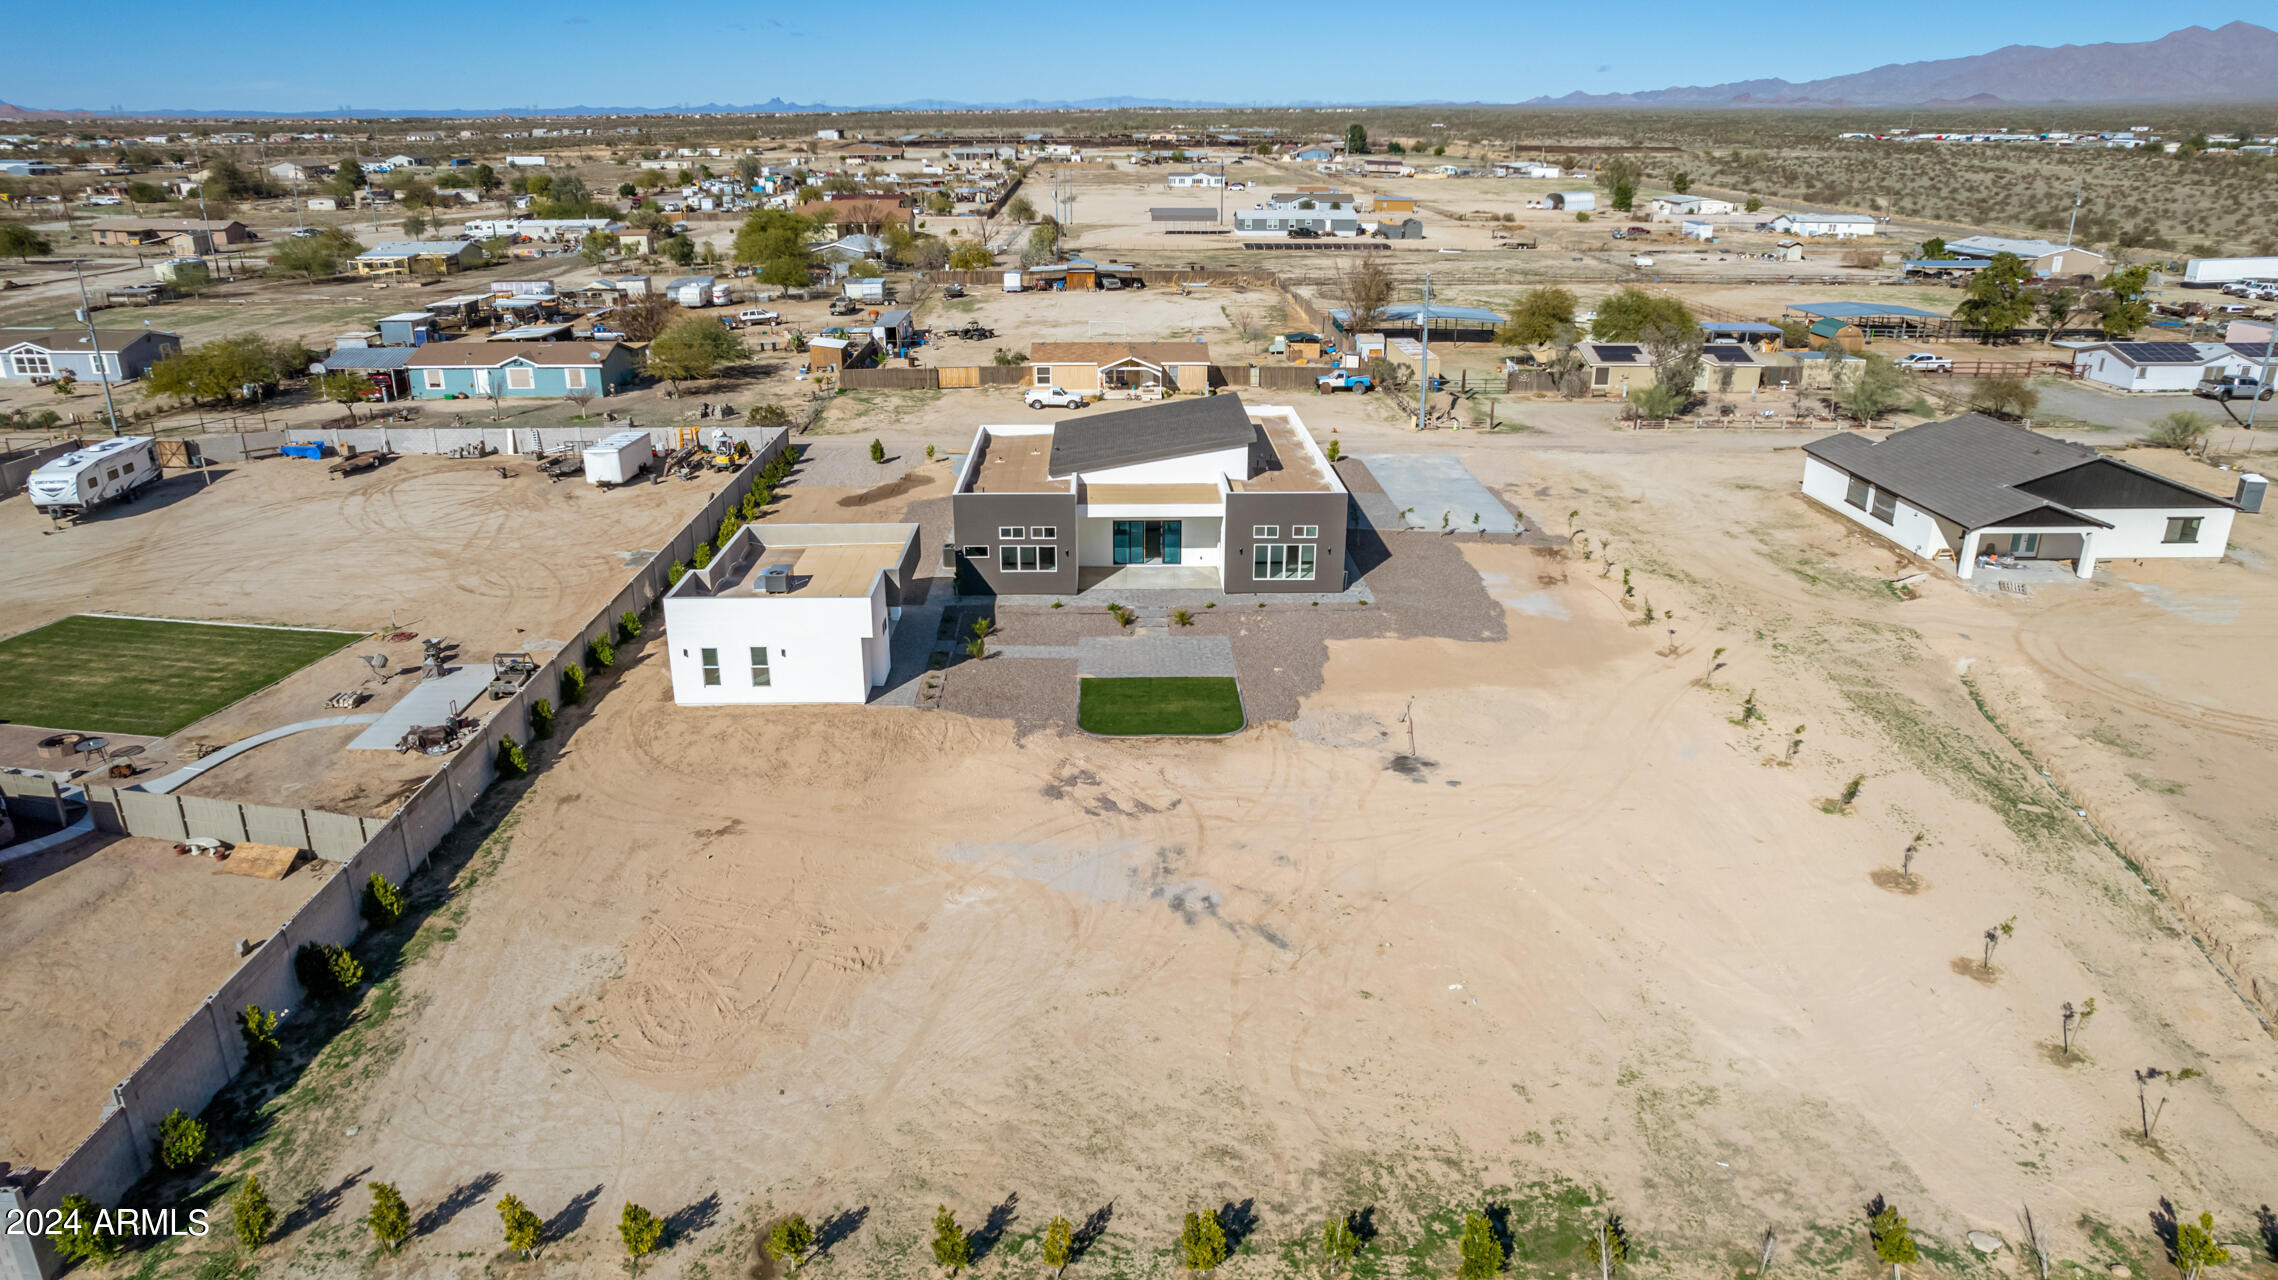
(710, 660)
(1265, 530)
(1305, 531)
(521, 379)
(2182, 529)
(1044, 375)
(1009, 532)
(759, 676)
(1043, 531)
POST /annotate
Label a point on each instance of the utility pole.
(1424, 364)
(2269, 344)
(95, 344)
(2074, 220)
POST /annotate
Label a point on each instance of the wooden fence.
(931, 377)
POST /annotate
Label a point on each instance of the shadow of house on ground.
(992, 1230)
(570, 1216)
(685, 1222)
(458, 1200)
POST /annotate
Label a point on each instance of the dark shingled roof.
(1964, 469)
(1150, 433)
(370, 358)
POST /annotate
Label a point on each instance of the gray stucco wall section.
(976, 518)
(1244, 511)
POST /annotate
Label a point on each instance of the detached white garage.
(1975, 486)
(790, 613)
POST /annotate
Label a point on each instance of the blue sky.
(273, 56)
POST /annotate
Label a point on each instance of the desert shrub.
(541, 719)
(384, 903)
(513, 761)
(2181, 429)
(181, 1140)
(628, 625)
(573, 685)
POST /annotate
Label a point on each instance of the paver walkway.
(1154, 655)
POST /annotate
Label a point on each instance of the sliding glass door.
(1147, 541)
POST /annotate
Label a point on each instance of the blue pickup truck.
(1344, 381)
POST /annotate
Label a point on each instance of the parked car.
(1052, 398)
(1342, 381)
(757, 315)
(1924, 362)
(2233, 387)
(1303, 233)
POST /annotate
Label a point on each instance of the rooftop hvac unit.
(775, 580)
(2250, 489)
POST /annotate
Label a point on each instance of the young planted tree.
(82, 1234)
(640, 1230)
(1059, 1247)
(384, 903)
(1202, 1242)
(877, 451)
(250, 1213)
(344, 387)
(257, 1027)
(1339, 1242)
(952, 1251)
(181, 1140)
(524, 1232)
(1994, 938)
(2170, 1078)
(390, 1218)
(2195, 1247)
(1480, 1251)
(790, 1238)
(2076, 1021)
(1893, 1240)
(1906, 859)
(1608, 1246)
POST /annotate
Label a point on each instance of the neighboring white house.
(527, 162)
(1842, 226)
(1699, 229)
(1197, 179)
(1974, 486)
(1669, 208)
(2041, 257)
(2156, 366)
(790, 613)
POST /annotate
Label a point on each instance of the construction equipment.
(352, 461)
(972, 331)
(509, 672)
(728, 453)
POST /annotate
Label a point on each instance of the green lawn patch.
(128, 675)
(1121, 706)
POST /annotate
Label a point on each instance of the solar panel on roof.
(1727, 353)
(1616, 351)
(2158, 352)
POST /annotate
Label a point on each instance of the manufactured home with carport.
(1971, 486)
(453, 370)
(2157, 366)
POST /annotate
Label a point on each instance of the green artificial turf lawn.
(127, 675)
(1159, 704)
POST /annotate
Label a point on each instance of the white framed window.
(434, 379)
(976, 553)
(710, 660)
(1043, 531)
(574, 379)
(1011, 532)
(1281, 562)
(1044, 375)
(1265, 530)
(521, 379)
(759, 674)
(1884, 507)
(1305, 531)
(1027, 559)
(2181, 529)
(32, 364)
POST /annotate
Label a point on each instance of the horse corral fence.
(202, 1055)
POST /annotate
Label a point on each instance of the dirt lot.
(111, 943)
(1592, 942)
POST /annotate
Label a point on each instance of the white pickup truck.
(1924, 362)
(1053, 398)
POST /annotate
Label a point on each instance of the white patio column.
(1966, 564)
(2086, 566)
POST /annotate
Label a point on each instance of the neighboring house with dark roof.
(42, 354)
(457, 370)
(1103, 366)
(1197, 493)
(133, 231)
(2157, 366)
(1617, 368)
(1970, 486)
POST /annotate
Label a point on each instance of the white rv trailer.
(84, 479)
(616, 459)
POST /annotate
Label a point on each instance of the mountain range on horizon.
(2237, 62)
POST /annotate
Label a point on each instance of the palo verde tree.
(2195, 1247)
(390, 1218)
(22, 243)
(1339, 1243)
(640, 1231)
(1893, 1239)
(1202, 1241)
(952, 1251)
(1059, 1246)
(1480, 1252)
(790, 1238)
(1607, 1245)
(250, 1214)
(1624, 314)
(1997, 301)
(523, 1231)
(1537, 317)
(692, 348)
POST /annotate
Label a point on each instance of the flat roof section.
(822, 571)
(1152, 494)
(1291, 468)
(1015, 464)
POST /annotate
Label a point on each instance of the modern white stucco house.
(790, 613)
(1973, 485)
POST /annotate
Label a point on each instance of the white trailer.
(616, 459)
(84, 479)
(2205, 273)
(1012, 282)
